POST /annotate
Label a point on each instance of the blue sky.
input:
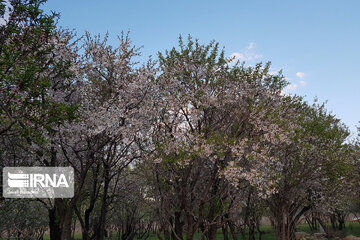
(316, 43)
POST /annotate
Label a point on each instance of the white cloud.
(292, 87)
(289, 88)
(237, 56)
(246, 56)
(251, 45)
(300, 75)
(302, 83)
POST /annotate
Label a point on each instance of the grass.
(267, 235)
(351, 228)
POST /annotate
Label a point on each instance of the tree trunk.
(178, 226)
(190, 231)
(243, 233)
(166, 234)
(225, 232)
(232, 230)
(327, 230)
(212, 232)
(66, 224)
(54, 224)
(89, 210)
(285, 226)
(104, 205)
(251, 231)
(60, 219)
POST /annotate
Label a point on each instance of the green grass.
(267, 235)
(351, 228)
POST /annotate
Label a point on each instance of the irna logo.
(38, 182)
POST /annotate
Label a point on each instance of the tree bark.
(54, 224)
(178, 226)
(225, 232)
(104, 205)
(66, 224)
(232, 230)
